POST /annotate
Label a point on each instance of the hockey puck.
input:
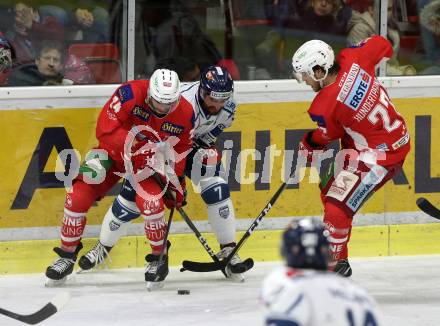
(183, 292)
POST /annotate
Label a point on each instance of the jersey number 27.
(381, 112)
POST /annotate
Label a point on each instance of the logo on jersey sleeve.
(355, 87)
(125, 93)
(141, 113)
(172, 128)
(360, 88)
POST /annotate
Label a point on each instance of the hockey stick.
(48, 310)
(165, 239)
(210, 267)
(191, 225)
(201, 239)
(428, 208)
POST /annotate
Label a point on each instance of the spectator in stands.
(89, 24)
(163, 33)
(27, 31)
(187, 70)
(430, 33)
(47, 69)
(323, 16)
(362, 25)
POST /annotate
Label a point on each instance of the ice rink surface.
(407, 289)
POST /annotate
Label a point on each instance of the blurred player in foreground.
(304, 293)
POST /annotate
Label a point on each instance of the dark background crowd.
(53, 42)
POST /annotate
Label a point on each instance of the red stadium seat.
(102, 60)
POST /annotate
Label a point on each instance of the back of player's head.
(305, 245)
(216, 82)
(312, 54)
(164, 89)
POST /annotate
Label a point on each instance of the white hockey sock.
(112, 229)
(221, 216)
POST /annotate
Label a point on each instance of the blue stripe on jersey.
(277, 321)
(319, 119)
(190, 87)
(296, 303)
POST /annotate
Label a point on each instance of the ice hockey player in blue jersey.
(304, 293)
(214, 107)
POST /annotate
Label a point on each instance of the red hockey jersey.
(127, 108)
(358, 110)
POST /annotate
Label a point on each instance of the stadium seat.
(102, 60)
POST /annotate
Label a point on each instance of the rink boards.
(32, 198)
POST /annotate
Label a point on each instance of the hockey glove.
(307, 146)
(142, 154)
(174, 198)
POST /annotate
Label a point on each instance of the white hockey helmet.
(310, 54)
(164, 88)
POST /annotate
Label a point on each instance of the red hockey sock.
(155, 228)
(77, 203)
(338, 222)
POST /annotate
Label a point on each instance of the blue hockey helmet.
(305, 245)
(216, 82)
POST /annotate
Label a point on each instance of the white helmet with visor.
(310, 54)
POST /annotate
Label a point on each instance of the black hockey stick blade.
(48, 310)
(243, 266)
(428, 208)
(203, 267)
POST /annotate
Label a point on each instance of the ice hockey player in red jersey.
(215, 108)
(144, 128)
(353, 107)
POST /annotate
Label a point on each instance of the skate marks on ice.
(407, 289)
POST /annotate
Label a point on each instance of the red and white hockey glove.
(142, 153)
(175, 198)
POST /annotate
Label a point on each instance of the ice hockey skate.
(94, 257)
(222, 254)
(156, 271)
(62, 266)
(343, 268)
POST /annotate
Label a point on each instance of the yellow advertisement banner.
(31, 196)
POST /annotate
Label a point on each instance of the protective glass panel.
(56, 42)
(185, 36)
(413, 28)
